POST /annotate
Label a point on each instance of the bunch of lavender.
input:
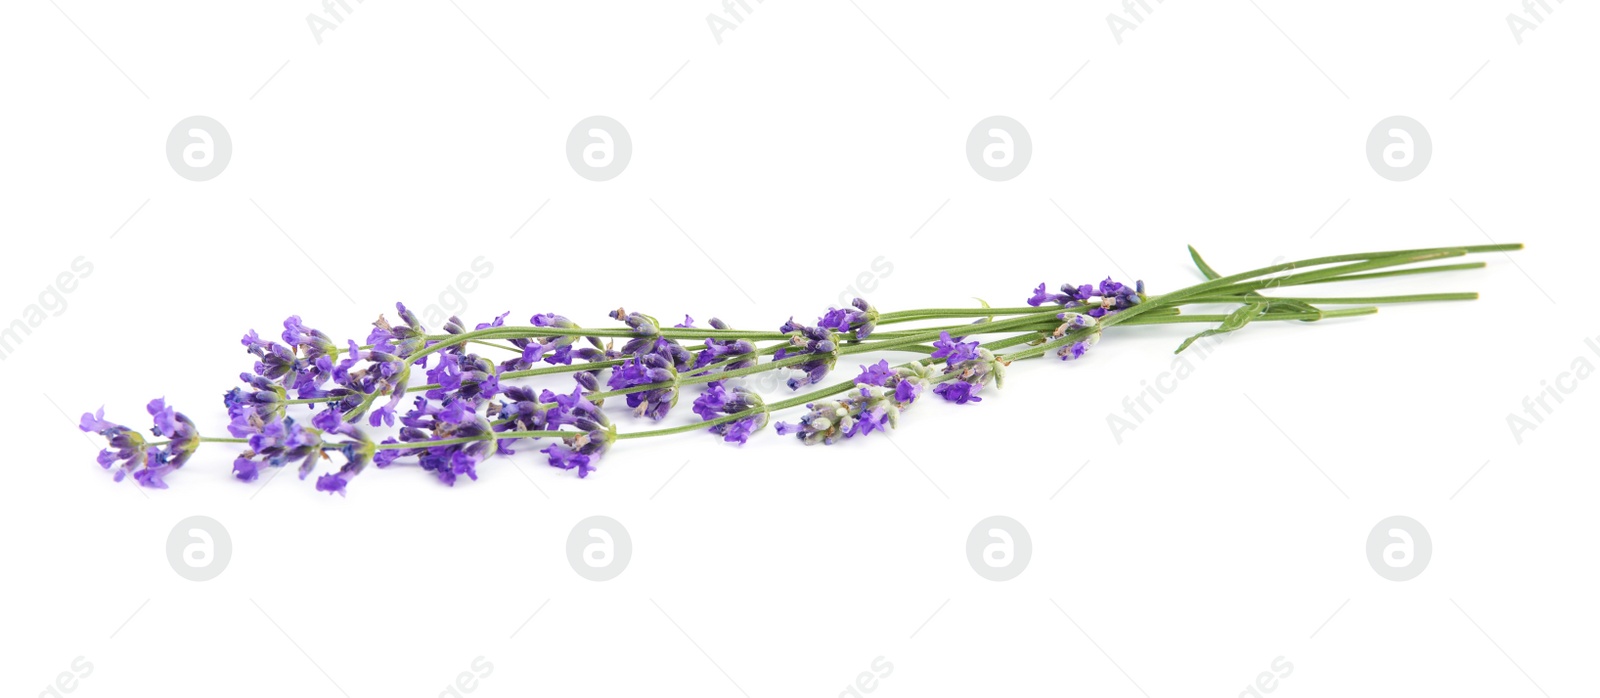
(309, 399)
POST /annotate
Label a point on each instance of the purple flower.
(647, 369)
(730, 354)
(1076, 350)
(1042, 296)
(567, 458)
(464, 377)
(245, 470)
(959, 391)
(876, 374)
(498, 321)
(127, 449)
(954, 351)
(332, 483)
(816, 342)
(385, 457)
(906, 391)
(1114, 296)
(972, 365)
(402, 340)
(718, 401)
(447, 461)
(861, 316)
(265, 400)
(317, 351)
(858, 413)
(154, 470)
(96, 423)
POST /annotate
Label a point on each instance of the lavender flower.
(968, 368)
(593, 438)
(464, 377)
(125, 448)
(731, 354)
(317, 351)
(650, 341)
(401, 341)
(819, 343)
(719, 401)
(148, 463)
(647, 369)
(1113, 296)
(275, 362)
(861, 316)
(876, 374)
(905, 383)
(266, 398)
(856, 414)
(1076, 350)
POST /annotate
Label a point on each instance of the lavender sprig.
(476, 407)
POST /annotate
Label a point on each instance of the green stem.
(1356, 300)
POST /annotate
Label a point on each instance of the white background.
(814, 139)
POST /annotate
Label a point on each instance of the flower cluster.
(859, 320)
(148, 462)
(719, 401)
(593, 437)
(968, 367)
(880, 394)
(1109, 297)
(725, 354)
(1072, 322)
(651, 360)
(819, 343)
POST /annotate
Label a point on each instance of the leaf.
(1236, 320)
(1205, 269)
(986, 305)
(1289, 306)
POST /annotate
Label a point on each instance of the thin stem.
(1357, 300)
